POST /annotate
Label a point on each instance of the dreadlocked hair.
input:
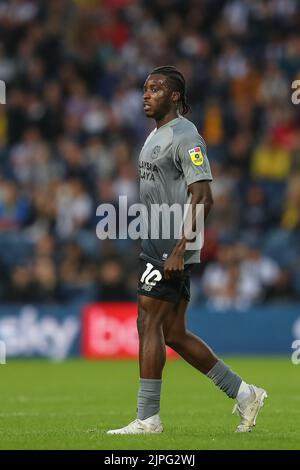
(177, 82)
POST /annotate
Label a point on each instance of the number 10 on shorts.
(151, 275)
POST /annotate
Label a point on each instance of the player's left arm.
(201, 194)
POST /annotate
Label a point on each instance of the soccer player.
(174, 169)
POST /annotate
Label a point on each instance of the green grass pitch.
(70, 405)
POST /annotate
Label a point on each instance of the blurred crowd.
(73, 125)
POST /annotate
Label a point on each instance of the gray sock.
(227, 380)
(148, 398)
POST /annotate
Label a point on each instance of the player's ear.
(175, 97)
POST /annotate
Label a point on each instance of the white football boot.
(141, 426)
(249, 409)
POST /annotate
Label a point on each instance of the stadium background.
(70, 135)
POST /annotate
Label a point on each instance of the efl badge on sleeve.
(196, 156)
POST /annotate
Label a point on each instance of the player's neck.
(167, 118)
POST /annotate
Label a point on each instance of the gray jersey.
(173, 157)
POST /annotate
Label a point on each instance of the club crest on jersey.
(196, 156)
(155, 152)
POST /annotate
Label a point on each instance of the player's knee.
(141, 323)
(147, 317)
(145, 323)
(174, 338)
(144, 317)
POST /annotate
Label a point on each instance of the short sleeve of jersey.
(190, 156)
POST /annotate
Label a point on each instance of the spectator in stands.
(240, 277)
(112, 284)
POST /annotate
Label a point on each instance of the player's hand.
(174, 266)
